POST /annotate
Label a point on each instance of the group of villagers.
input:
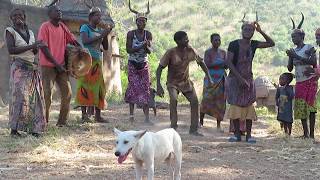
(31, 82)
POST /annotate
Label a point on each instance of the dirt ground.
(86, 151)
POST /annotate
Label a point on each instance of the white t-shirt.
(300, 66)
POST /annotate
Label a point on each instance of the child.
(284, 97)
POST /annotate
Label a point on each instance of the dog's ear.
(139, 134)
(116, 131)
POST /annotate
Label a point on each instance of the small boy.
(284, 97)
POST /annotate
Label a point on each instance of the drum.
(78, 61)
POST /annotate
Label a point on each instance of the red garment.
(56, 38)
(307, 91)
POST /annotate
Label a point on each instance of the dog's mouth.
(122, 158)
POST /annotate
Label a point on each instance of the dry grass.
(85, 151)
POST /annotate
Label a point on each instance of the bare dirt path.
(86, 151)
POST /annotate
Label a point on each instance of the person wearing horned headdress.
(138, 47)
(301, 58)
(240, 88)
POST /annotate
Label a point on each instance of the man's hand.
(257, 26)
(160, 91)
(291, 53)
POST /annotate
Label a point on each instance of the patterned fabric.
(284, 97)
(236, 94)
(94, 48)
(138, 90)
(305, 98)
(91, 88)
(214, 102)
(26, 108)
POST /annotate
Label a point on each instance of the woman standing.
(91, 88)
(26, 108)
(303, 57)
(214, 101)
(138, 47)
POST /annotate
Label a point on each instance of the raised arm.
(87, 40)
(268, 43)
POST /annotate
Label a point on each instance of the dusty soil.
(86, 151)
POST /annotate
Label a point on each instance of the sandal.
(234, 139)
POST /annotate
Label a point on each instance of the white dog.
(149, 147)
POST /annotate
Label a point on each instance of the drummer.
(56, 36)
(90, 87)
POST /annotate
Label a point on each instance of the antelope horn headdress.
(300, 24)
(244, 16)
(244, 21)
(138, 14)
(132, 10)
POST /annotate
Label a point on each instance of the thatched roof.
(79, 9)
(74, 10)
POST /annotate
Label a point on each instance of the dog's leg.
(138, 168)
(150, 167)
(177, 168)
(169, 161)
